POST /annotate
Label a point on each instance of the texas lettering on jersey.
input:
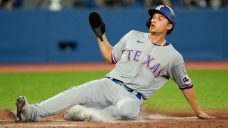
(135, 55)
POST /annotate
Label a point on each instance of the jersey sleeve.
(180, 76)
(119, 47)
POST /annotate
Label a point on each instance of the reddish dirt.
(55, 67)
(212, 65)
(183, 119)
(208, 65)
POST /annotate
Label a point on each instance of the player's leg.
(122, 105)
(128, 108)
(125, 105)
(88, 94)
(84, 113)
(125, 109)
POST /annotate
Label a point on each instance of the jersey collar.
(166, 44)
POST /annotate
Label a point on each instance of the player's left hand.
(97, 24)
(203, 115)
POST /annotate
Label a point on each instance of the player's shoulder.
(135, 32)
(175, 54)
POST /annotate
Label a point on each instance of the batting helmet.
(165, 11)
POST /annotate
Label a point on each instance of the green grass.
(211, 88)
(40, 86)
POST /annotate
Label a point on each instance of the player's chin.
(151, 30)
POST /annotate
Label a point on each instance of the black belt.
(137, 94)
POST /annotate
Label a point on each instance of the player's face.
(159, 24)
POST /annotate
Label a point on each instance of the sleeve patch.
(186, 81)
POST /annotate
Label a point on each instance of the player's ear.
(169, 26)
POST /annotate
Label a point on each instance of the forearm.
(105, 48)
(192, 100)
(98, 27)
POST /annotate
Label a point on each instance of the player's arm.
(105, 48)
(190, 96)
(180, 76)
(98, 27)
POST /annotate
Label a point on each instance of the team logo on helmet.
(159, 7)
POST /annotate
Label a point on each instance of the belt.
(137, 94)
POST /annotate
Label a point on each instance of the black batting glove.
(97, 24)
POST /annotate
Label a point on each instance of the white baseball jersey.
(146, 67)
(140, 64)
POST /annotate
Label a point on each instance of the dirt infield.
(149, 120)
(220, 65)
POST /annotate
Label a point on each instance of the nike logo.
(139, 41)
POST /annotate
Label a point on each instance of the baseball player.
(144, 62)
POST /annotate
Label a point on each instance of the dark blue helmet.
(165, 11)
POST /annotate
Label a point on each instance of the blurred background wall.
(49, 31)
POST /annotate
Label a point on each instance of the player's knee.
(128, 108)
